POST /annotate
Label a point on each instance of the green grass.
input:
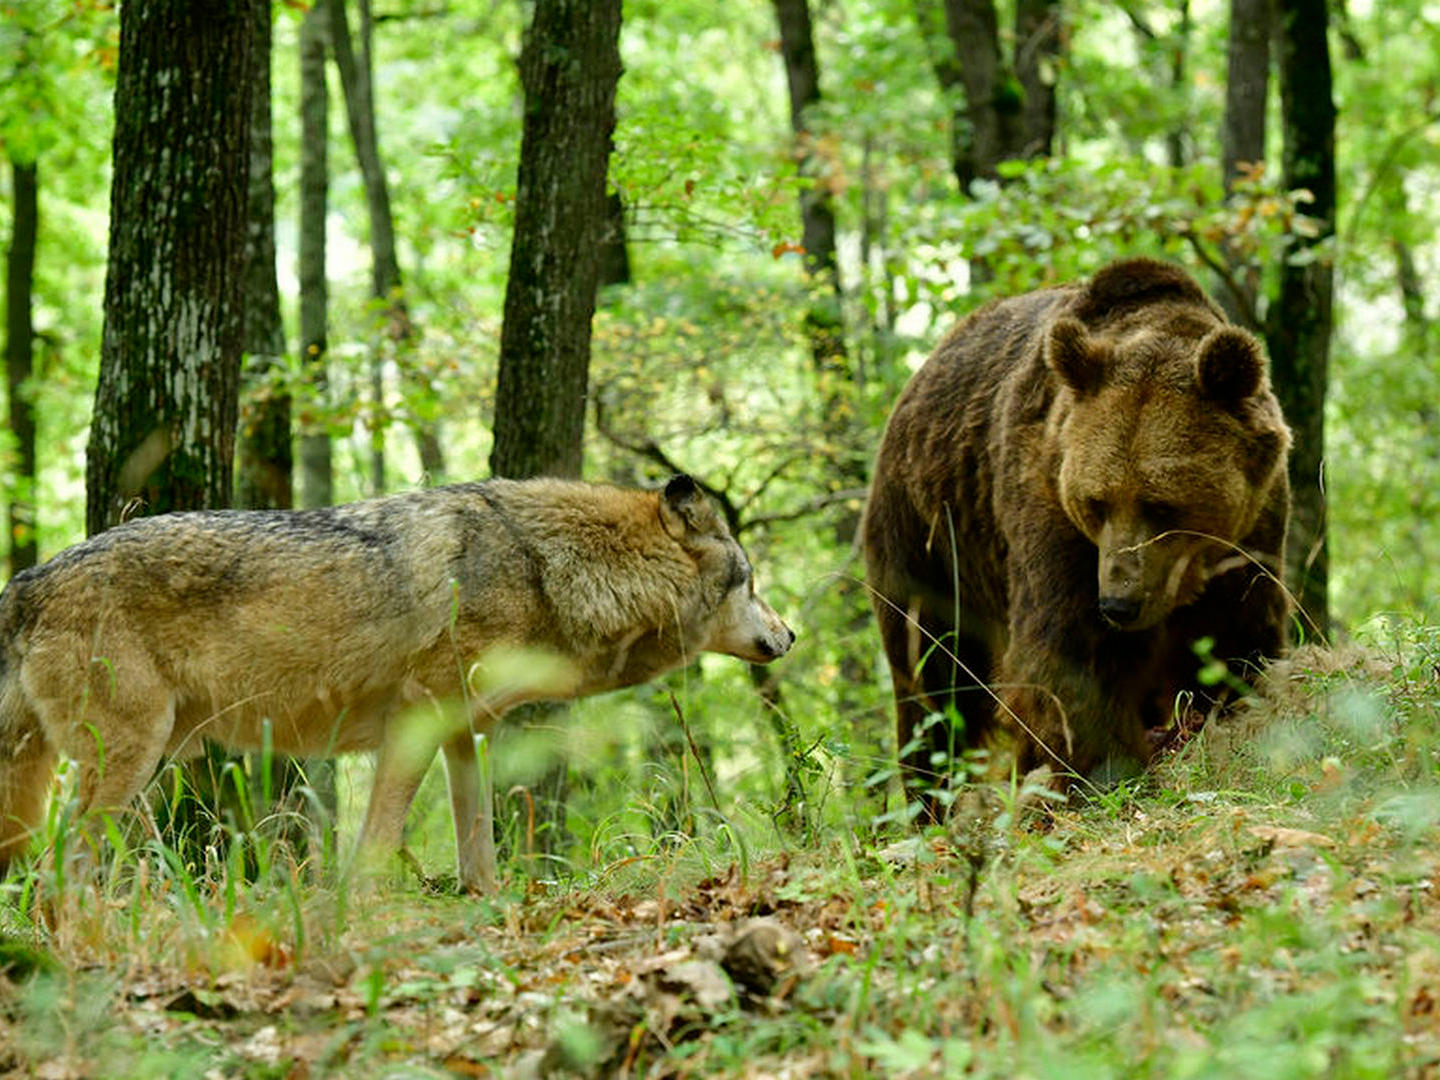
(1264, 904)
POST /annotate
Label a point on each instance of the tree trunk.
(1175, 140)
(163, 427)
(1247, 82)
(386, 281)
(825, 327)
(265, 477)
(316, 467)
(824, 320)
(615, 251)
(1037, 58)
(1246, 86)
(569, 68)
(999, 111)
(1300, 318)
(991, 107)
(164, 422)
(20, 359)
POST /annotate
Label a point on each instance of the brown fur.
(331, 624)
(1077, 485)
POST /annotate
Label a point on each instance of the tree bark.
(163, 427)
(999, 110)
(974, 32)
(265, 477)
(824, 320)
(1243, 138)
(1037, 56)
(1247, 82)
(20, 359)
(316, 467)
(1175, 140)
(569, 68)
(825, 328)
(1300, 319)
(387, 284)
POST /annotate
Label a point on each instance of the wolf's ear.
(683, 508)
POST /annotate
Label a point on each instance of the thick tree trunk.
(316, 468)
(163, 428)
(991, 106)
(265, 477)
(1300, 318)
(569, 68)
(20, 359)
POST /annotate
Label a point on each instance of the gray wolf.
(333, 625)
(1078, 486)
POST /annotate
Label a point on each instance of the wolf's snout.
(776, 646)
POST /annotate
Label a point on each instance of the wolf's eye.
(739, 574)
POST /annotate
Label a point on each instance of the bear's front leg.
(1072, 692)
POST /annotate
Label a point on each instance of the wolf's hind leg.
(400, 765)
(26, 764)
(472, 803)
(119, 751)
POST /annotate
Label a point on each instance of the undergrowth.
(1262, 904)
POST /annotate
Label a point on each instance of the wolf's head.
(737, 621)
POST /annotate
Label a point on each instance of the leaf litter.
(1195, 926)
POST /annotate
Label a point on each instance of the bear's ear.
(1069, 354)
(1230, 366)
(683, 508)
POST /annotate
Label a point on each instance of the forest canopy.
(700, 356)
(797, 200)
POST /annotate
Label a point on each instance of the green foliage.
(1148, 933)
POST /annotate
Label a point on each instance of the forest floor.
(1265, 904)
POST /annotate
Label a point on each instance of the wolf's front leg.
(472, 802)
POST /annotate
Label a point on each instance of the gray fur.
(333, 624)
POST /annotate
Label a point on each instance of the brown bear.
(1078, 485)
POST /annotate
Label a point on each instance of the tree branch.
(1237, 292)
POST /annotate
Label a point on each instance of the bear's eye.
(1162, 515)
(1097, 510)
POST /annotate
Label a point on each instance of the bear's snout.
(1120, 611)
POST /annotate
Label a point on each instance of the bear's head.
(1170, 445)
